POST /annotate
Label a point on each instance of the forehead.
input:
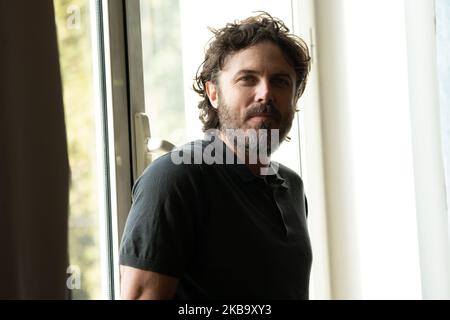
(264, 57)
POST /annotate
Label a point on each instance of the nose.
(263, 92)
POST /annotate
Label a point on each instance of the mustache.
(267, 108)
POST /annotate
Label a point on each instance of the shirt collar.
(246, 175)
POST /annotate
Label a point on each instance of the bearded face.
(267, 131)
(255, 96)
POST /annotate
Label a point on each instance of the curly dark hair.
(240, 35)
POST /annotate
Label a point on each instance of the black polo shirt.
(223, 231)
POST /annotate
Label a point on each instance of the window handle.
(145, 145)
(158, 145)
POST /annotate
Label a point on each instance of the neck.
(255, 168)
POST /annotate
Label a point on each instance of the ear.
(213, 94)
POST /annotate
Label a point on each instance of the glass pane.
(174, 35)
(86, 278)
(163, 69)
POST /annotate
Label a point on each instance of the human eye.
(247, 80)
(281, 82)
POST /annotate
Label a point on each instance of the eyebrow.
(245, 71)
(249, 71)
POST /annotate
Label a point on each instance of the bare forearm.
(139, 284)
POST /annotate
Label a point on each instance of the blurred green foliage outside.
(73, 25)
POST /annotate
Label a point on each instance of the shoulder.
(295, 183)
(167, 168)
(292, 177)
(178, 163)
(167, 173)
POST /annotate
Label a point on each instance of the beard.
(265, 135)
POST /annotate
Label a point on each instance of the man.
(204, 225)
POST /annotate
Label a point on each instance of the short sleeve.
(160, 229)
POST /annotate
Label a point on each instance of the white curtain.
(34, 170)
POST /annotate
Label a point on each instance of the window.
(173, 38)
(88, 273)
(119, 59)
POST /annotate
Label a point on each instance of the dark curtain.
(34, 170)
